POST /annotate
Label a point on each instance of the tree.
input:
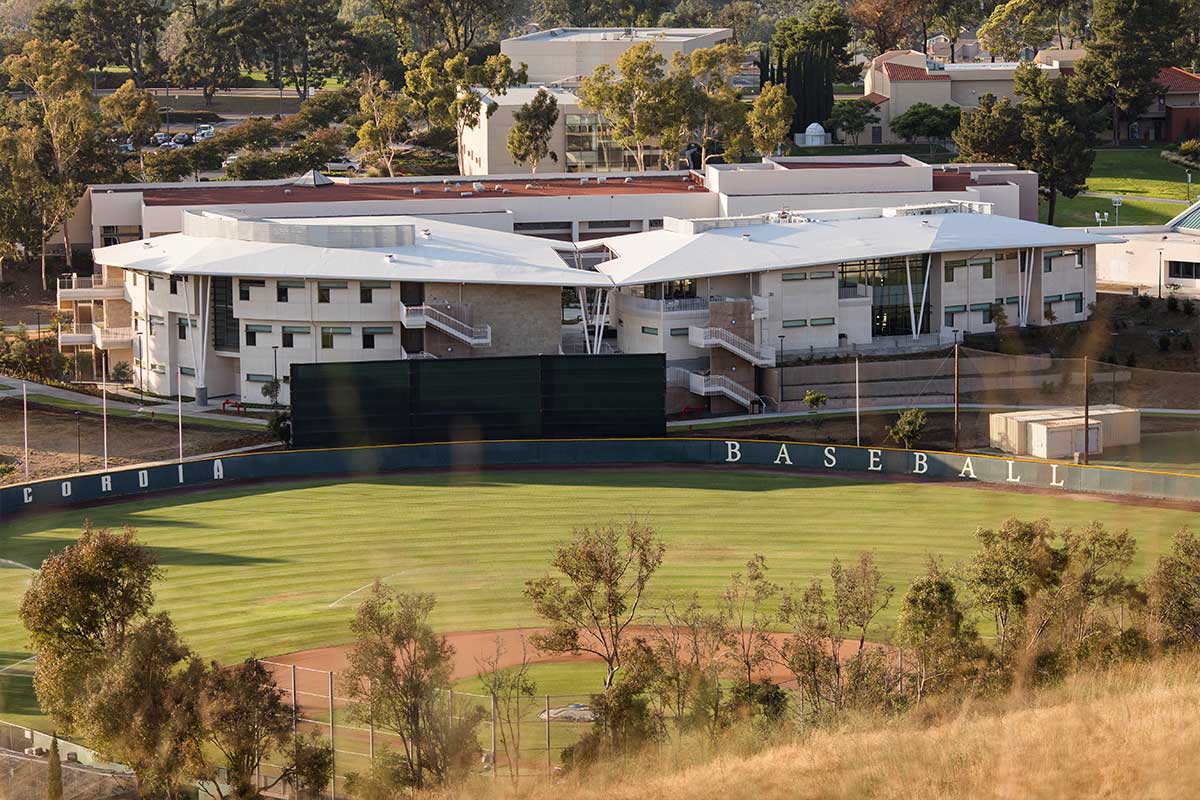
(632, 99)
(851, 117)
(507, 687)
(606, 569)
(816, 401)
(953, 16)
(1015, 25)
(826, 27)
(396, 671)
(388, 121)
(295, 40)
(447, 91)
(1013, 562)
(533, 126)
(933, 628)
(134, 112)
(62, 116)
(123, 32)
(687, 644)
(882, 21)
(924, 120)
(20, 214)
(909, 427)
(744, 607)
(167, 166)
(1174, 591)
(80, 601)
(243, 717)
(1056, 135)
(991, 133)
(770, 118)
(1119, 72)
(54, 776)
(711, 106)
(210, 56)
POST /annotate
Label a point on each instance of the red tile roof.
(216, 194)
(1174, 79)
(876, 98)
(951, 181)
(903, 72)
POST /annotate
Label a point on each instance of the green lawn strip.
(1081, 211)
(1138, 171)
(260, 570)
(159, 415)
(1177, 451)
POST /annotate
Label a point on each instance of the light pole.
(78, 444)
(781, 349)
(1160, 252)
(37, 316)
(1189, 184)
(1117, 210)
(275, 372)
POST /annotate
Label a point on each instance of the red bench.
(238, 406)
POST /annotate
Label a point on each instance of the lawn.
(1138, 171)
(1169, 452)
(1081, 211)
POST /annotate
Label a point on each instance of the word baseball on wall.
(90, 488)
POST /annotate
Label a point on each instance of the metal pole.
(179, 407)
(956, 394)
(295, 703)
(1086, 409)
(78, 444)
(371, 738)
(332, 748)
(857, 408)
(495, 766)
(104, 409)
(25, 416)
(549, 769)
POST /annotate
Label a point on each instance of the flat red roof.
(951, 181)
(217, 194)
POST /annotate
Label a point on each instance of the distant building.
(898, 79)
(563, 55)
(1153, 259)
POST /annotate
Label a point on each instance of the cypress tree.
(54, 779)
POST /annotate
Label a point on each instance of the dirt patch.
(55, 435)
(21, 295)
(471, 647)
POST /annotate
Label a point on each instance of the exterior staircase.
(760, 355)
(425, 316)
(709, 385)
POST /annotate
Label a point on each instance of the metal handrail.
(482, 333)
(731, 341)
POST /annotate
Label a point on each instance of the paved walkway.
(1170, 200)
(190, 410)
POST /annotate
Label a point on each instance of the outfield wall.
(90, 488)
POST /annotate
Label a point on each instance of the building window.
(365, 293)
(986, 268)
(258, 377)
(281, 293)
(646, 329)
(150, 282)
(187, 371)
(821, 321)
(818, 276)
(327, 335)
(987, 316)
(174, 285)
(679, 331)
(183, 326)
(134, 274)
(1079, 306)
(322, 294)
(289, 339)
(244, 287)
(949, 319)
(252, 332)
(950, 266)
(795, 323)
(1183, 269)
(795, 276)
(369, 334)
(289, 334)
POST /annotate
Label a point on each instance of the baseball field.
(267, 569)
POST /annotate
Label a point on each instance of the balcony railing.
(758, 354)
(687, 305)
(87, 287)
(105, 337)
(420, 316)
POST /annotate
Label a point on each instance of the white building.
(239, 294)
(563, 55)
(1153, 259)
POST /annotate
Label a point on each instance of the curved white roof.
(451, 253)
(665, 255)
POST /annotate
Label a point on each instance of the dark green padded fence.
(469, 399)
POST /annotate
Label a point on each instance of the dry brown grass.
(1132, 732)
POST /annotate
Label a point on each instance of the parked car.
(203, 132)
(182, 139)
(170, 146)
(160, 138)
(341, 164)
(229, 160)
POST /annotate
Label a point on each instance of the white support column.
(912, 310)
(581, 294)
(205, 311)
(192, 332)
(602, 319)
(925, 292)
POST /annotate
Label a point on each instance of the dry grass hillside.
(1132, 732)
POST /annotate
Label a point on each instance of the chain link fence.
(521, 740)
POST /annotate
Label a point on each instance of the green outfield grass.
(267, 569)
(1168, 452)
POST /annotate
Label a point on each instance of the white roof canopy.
(664, 255)
(404, 249)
